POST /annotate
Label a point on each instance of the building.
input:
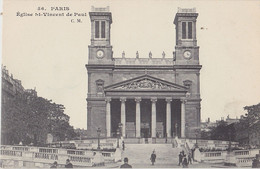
(143, 97)
(10, 86)
(231, 121)
(208, 125)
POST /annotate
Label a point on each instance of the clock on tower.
(186, 49)
(100, 50)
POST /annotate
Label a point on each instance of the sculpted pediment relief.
(146, 82)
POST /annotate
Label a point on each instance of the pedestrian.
(153, 157)
(189, 158)
(180, 158)
(125, 165)
(184, 162)
(54, 165)
(68, 164)
(192, 153)
(123, 145)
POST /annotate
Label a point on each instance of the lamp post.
(196, 144)
(229, 143)
(118, 133)
(176, 130)
(196, 134)
(98, 132)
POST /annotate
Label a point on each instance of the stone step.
(140, 153)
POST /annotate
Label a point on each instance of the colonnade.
(138, 116)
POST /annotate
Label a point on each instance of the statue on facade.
(174, 56)
(150, 55)
(163, 54)
(123, 54)
(137, 54)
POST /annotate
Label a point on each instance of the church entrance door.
(145, 132)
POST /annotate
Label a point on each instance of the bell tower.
(187, 67)
(187, 51)
(100, 49)
(99, 68)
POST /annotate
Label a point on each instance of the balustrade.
(45, 156)
(212, 154)
(241, 153)
(80, 159)
(11, 153)
(48, 155)
(20, 148)
(48, 150)
(75, 152)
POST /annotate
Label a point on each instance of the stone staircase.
(140, 153)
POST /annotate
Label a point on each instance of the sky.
(50, 53)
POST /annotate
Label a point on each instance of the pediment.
(145, 83)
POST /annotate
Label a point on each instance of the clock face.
(100, 54)
(187, 54)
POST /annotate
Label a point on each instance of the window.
(100, 29)
(186, 30)
(189, 30)
(103, 28)
(96, 29)
(183, 30)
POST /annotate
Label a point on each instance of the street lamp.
(229, 143)
(98, 132)
(118, 133)
(196, 144)
(176, 130)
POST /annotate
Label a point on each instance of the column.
(123, 114)
(138, 118)
(168, 117)
(108, 116)
(154, 99)
(183, 102)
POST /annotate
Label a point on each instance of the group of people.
(67, 165)
(184, 160)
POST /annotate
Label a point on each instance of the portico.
(146, 107)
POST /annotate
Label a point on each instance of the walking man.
(189, 158)
(153, 157)
(180, 158)
(184, 162)
(123, 145)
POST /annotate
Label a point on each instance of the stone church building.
(143, 97)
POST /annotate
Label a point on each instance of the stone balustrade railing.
(90, 144)
(213, 157)
(81, 158)
(243, 158)
(144, 61)
(217, 144)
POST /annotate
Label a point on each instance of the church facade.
(143, 97)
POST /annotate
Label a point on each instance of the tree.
(223, 131)
(29, 118)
